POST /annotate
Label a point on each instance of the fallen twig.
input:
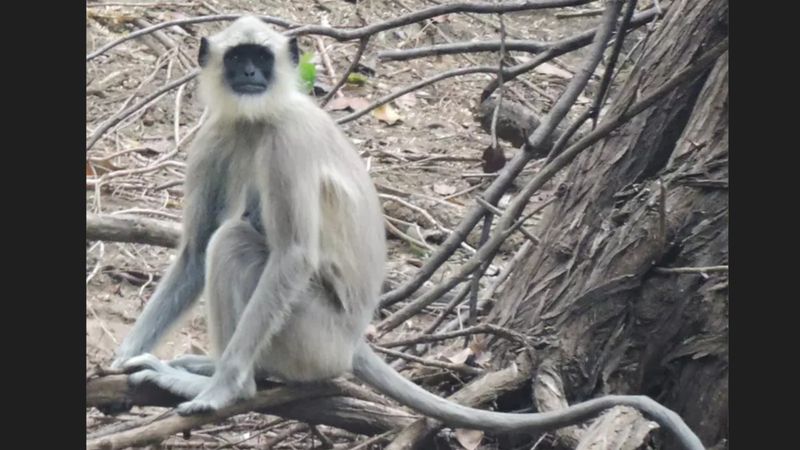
(132, 229)
(463, 368)
(701, 270)
(478, 329)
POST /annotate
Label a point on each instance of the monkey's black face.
(248, 68)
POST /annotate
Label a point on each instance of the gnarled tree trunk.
(593, 289)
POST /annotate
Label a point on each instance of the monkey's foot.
(176, 381)
(225, 390)
(198, 364)
(196, 407)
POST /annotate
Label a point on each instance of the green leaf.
(308, 71)
(357, 79)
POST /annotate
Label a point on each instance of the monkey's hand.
(226, 387)
(121, 362)
(125, 352)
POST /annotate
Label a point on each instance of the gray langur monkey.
(283, 231)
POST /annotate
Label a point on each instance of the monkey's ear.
(202, 56)
(294, 50)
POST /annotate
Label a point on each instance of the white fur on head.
(223, 103)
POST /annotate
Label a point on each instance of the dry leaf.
(469, 439)
(550, 69)
(387, 114)
(444, 189)
(461, 357)
(406, 101)
(351, 103)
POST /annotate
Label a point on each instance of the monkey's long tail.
(370, 368)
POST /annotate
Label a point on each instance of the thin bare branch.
(356, 59)
(700, 270)
(192, 20)
(605, 81)
(519, 45)
(478, 329)
(463, 368)
(356, 33)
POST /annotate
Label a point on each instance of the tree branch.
(357, 33)
(132, 229)
(315, 403)
(359, 53)
(519, 45)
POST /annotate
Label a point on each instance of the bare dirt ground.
(430, 158)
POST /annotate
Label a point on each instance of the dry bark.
(614, 324)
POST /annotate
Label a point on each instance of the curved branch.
(212, 18)
(520, 45)
(359, 53)
(358, 33)
(434, 11)
(567, 45)
(418, 85)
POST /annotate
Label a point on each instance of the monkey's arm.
(185, 278)
(176, 292)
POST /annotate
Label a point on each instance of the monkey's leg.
(236, 257)
(197, 364)
(285, 275)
